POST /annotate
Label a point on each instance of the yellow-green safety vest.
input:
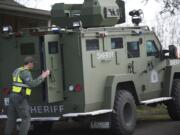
(18, 84)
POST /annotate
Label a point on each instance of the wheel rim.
(128, 113)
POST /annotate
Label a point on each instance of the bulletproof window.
(133, 49)
(53, 47)
(116, 43)
(27, 49)
(92, 44)
(151, 48)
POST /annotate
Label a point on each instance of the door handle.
(150, 65)
(131, 67)
(51, 76)
(52, 64)
(145, 71)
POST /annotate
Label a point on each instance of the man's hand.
(45, 74)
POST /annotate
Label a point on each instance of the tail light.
(78, 88)
(18, 34)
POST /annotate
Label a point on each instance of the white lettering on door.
(105, 55)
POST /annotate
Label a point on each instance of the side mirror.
(171, 53)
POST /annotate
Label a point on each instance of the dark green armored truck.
(99, 72)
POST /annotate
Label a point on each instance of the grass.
(152, 113)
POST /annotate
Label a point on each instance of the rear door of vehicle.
(28, 45)
(52, 50)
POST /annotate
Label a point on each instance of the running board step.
(156, 100)
(93, 113)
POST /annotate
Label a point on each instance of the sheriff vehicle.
(98, 72)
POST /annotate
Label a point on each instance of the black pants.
(18, 107)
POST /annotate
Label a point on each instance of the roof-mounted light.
(77, 24)
(55, 28)
(102, 34)
(137, 16)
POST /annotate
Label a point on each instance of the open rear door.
(54, 64)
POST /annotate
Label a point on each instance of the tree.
(170, 6)
(167, 29)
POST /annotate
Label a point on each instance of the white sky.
(150, 9)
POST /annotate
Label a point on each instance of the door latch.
(131, 67)
(51, 76)
(150, 65)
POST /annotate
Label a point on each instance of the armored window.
(116, 43)
(92, 44)
(151, 48)
(53, 47)
(133, 49)
(27, 49)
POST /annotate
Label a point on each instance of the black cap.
(29, 59)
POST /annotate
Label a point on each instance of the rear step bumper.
(93, 113)
(35, 119)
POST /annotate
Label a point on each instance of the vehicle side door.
(136, 62)
(154, 67)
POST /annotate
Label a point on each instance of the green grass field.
(152, 113)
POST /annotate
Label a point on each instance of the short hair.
(29, 59)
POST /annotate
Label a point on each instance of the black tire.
(173, 106)
(124, 115)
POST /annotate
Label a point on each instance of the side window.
(116, 43)
(92, 44)
(151, 48)
(53, 47)
(27, 49)
(133, 49)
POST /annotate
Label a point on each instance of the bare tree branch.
(170, 6)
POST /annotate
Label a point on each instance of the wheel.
(124, 115)
(173, 106)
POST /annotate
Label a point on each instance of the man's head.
(29, 62)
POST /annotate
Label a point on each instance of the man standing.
(18, 100)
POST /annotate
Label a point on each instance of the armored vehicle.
(98, 72)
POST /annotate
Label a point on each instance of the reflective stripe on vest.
(18, 83)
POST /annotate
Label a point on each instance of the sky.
(151, 9)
